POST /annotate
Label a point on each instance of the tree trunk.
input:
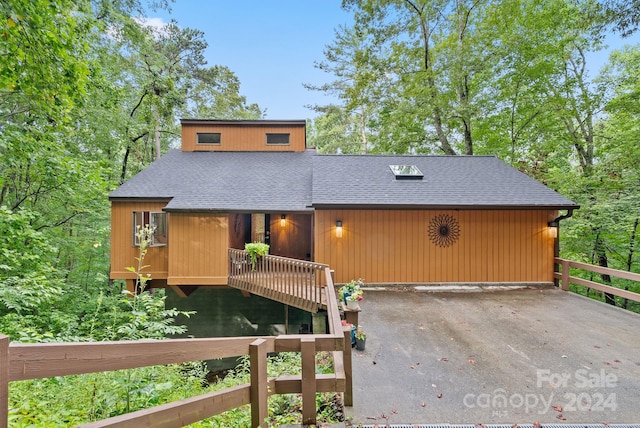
(157, 135)
(125, 160)
(603, 261)
(632, 244)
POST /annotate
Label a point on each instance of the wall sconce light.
(339, 229)
(283, 220)
(553, 228)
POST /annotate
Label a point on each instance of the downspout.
(556, 245)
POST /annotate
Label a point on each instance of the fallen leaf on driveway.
(562, 418)
(443, 359)
(412, 367)
(472, 361)
(423, 404)
(557, 408)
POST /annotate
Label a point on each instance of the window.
(277, 138)
(156, 221)
(406, 172)
(208, 138)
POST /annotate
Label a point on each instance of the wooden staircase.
(294, 282)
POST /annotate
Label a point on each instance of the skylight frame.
(406, 172)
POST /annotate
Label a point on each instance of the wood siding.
(198, 246)
(294, 238)
(123, 253)
(245, 138)
(387, 246)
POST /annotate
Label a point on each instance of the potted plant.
(352, 292)
(361, 338)
(256, 250)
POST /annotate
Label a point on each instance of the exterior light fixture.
(338, 228)
(553, 228)
(283, 220)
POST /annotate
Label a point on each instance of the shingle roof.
(449, 181)
(287, 181)
(225, 181)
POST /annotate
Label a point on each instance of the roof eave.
(443, 207)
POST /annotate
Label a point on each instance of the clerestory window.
(208, 138)
(277, 139)
(156, 221)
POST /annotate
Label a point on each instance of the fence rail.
(32, 361)
(566, 278)
(297, 283)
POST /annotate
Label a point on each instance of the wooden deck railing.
(566, 278)
(297, 283)
(32, 361)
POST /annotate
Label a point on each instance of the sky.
(272, 45)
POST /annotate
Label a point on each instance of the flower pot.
(360, 344)
(344, 297)
(353, 305)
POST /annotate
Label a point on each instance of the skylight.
(406, 172)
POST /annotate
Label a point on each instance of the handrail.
(566, 278)
(31, 361)
(294, 282)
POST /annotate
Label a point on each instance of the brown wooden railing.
(297, 283)
(566, 279)
(33, 361)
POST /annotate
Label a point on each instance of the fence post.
(348, 366)
(4, 381)
(308, 351)
(565, 275)
(259, 392)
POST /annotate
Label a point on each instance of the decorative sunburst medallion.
(444, 230)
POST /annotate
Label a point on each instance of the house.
(384, 218)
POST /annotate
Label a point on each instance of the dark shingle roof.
(449, 181)
(225, 181)
(287, 181)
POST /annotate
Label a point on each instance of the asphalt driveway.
(518, 356)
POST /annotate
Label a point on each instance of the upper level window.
(156, 221)
(277, 138)
(208, 138)
(406, 172)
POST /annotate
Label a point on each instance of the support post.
(4, 381)
(565, 275)
(348, 366)
(259, 392)
(308, 351)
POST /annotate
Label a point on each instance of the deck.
(297, 283)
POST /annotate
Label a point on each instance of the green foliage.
(255, 250)
(73, 400)
(28, 281)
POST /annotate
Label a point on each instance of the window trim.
(198, 142)
(160, 235)
(279, 134)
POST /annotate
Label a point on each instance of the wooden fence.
(43, 360)
(566, 278)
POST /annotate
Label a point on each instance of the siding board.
(387, 246)
(123, 252)
(198, 249)
(243, 138)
